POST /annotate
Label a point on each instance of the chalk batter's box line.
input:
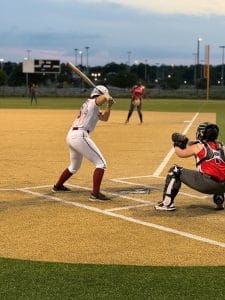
(129, 219)
(125, 181)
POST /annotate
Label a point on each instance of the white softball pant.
(81, 145)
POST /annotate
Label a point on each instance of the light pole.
(222, 67)
(81, 58)
(195, 68)
(2, 62)
(146, 70)
(75, 56)
(87, 48)
(198, 58)
(128, 56)
(27, 75)
(28, 53)
(157, 71)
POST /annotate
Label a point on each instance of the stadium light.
(222, 67)
(28, 53)
(81, 58)
(27, 75)
(195, 67)
(128, 54)
(146, 61)
(75, 56)
(198, 57)
(87, 48)
(2, 62)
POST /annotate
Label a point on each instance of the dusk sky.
(156, 32)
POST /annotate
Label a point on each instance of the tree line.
(113, 74)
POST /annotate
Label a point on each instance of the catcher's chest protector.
(211, 154)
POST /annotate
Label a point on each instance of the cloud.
(187, 7)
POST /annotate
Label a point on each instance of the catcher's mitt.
(179, 140)
(136, 102)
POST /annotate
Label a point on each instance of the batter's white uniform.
(78, 139)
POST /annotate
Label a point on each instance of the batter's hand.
(110, 102)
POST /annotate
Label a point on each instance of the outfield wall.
(184, 92)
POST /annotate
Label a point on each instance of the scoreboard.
(46, 66)
(41, 66)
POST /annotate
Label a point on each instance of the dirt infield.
(37, 224)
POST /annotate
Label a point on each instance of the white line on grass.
(129, 219)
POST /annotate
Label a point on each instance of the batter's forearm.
(105, 115)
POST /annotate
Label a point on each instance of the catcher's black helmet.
(207, 132)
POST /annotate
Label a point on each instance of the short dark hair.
(207, 132)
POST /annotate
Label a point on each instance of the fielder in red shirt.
(209, 178)
(137, 95)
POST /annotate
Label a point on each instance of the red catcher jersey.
(138, 91)
(213, 166)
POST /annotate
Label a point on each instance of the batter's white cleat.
(99, 197)
(161, 206)
(62, 188)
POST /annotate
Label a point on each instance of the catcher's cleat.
(98, 197)
(161, 206)
(219, 201)
(62, 188)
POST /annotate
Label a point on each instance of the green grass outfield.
(40, 280)
(173, 105)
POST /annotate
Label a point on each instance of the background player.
(210, 162)
(33, 93)
(137, 94)
(81, 145)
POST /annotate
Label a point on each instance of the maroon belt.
(77, 128)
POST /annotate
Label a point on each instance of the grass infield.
(40, 280)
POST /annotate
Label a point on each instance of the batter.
(81, 145)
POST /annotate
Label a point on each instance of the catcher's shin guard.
(172, 185)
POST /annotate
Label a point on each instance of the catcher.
(209, 178)
(138, 93)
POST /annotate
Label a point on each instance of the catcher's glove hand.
(136, 102)
(179, 140)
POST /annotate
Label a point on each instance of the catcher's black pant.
(201, 182)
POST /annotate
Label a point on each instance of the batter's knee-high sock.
(66, 174)
(97, 179)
